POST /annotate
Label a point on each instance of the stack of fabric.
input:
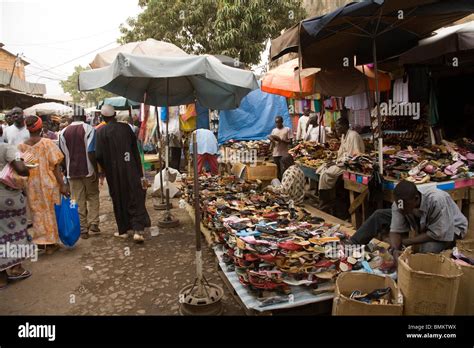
(272, 245)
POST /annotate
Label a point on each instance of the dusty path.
(104, 275)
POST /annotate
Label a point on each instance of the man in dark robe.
(117, 153)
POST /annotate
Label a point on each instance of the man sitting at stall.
(432, 214)
(351, 144)
(293, 180)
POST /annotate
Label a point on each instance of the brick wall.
(6, 63)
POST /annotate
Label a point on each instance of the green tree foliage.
(84, 98)
(237, 28)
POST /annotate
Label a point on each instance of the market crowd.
(39, 165)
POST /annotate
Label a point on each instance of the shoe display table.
(461, 190)
(302, 300)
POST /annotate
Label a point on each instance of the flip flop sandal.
(324, 240)
(118, 235)
(326, 274)
(24, 275)
(289, 245)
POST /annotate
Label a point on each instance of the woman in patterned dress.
(44, 185)
(13, 222)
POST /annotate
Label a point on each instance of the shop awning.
(445, 43)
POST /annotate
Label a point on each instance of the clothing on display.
(330, 117)
(357, 102)
(400, 90)
(419, 84)
(360, 118)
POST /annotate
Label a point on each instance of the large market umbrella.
(286, 81)
(119, 103)
(441, 47)
(371, 30)
(49, 109)
(149, 48)
(171, 81)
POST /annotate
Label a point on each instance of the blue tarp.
(255, 117)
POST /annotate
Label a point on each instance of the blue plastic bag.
(67, 218)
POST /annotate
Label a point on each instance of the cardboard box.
(465, 301)
(347, 282)
(265, 171)
(429, 283)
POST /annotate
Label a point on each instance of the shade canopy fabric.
(446, 41)
(349, 81)
(229, 61)
(331, 40)
(284, 80)
(49, 109)
(149, 47)
(172, 81)
(254, 119)
(119, 103)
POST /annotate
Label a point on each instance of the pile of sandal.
(420, 165)
(261, 146)
(272, 245)
(312, 155)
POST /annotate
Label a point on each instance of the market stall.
(447, 167)
(273, 254)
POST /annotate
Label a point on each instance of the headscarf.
(36, 126)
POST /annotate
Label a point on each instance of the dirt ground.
(105, 275)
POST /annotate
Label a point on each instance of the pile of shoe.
(271, 244)
(312, 154)
(419, 165)
(261, 146)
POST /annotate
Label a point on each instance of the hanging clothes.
(189, 125)
(360, 118)
(400, 91)
(189, 111)
(317, 105)
(330, 117)
(419, 86)
(356, 102)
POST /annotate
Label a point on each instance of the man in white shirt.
(17, 132)
(281, 139)
(316, 132)
(302, 124)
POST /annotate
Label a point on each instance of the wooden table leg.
(354, 214)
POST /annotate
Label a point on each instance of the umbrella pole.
(377, 100)
(160, 158)
(168, 219)
(197, 217)
(201, 297)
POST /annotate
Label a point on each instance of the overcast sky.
(61, 32)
